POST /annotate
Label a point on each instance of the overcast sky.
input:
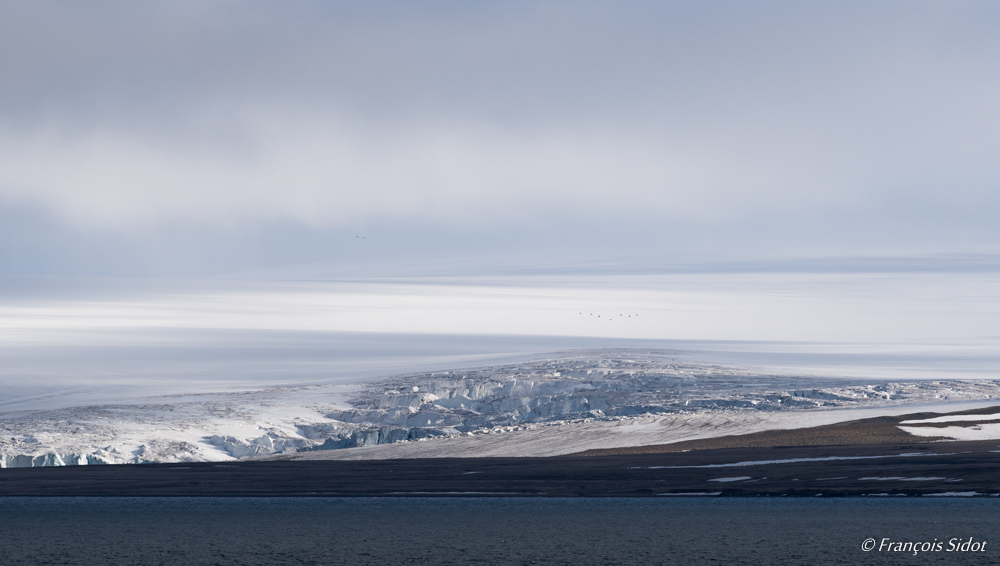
(180, 138)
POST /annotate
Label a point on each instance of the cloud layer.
(123, 116)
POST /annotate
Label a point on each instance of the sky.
(191, 139)
(198, 193)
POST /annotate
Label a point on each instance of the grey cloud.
(506, 61)
(822, 118)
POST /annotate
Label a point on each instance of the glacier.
(557, 403)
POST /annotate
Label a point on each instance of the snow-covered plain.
(962, 429)
(562, 403)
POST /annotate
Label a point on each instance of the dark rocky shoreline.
(911, 469)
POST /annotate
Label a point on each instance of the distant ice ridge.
(616, 385)
(581, 387)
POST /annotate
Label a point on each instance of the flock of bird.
(612, 317)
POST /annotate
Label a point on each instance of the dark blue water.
(485, 531)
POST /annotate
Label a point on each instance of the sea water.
(507, 531)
